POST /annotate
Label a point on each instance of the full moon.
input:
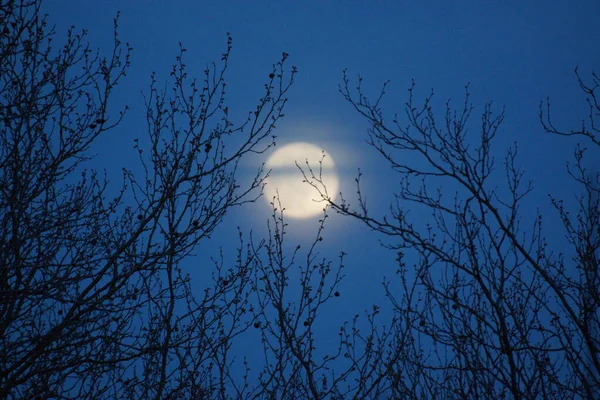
(299, 198)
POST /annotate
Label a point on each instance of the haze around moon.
(300, 199)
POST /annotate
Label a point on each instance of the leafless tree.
(93, 302)
(485, 307)
(583, 229)
(295, 286)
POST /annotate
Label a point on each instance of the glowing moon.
(300, 199)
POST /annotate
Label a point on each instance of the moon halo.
(299, 198)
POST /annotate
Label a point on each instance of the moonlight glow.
(299, 199)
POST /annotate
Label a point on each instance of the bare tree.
(294, 287)
(486, 309)
(93, 303)
(583, 229)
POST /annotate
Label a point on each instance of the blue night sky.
(514, 54)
